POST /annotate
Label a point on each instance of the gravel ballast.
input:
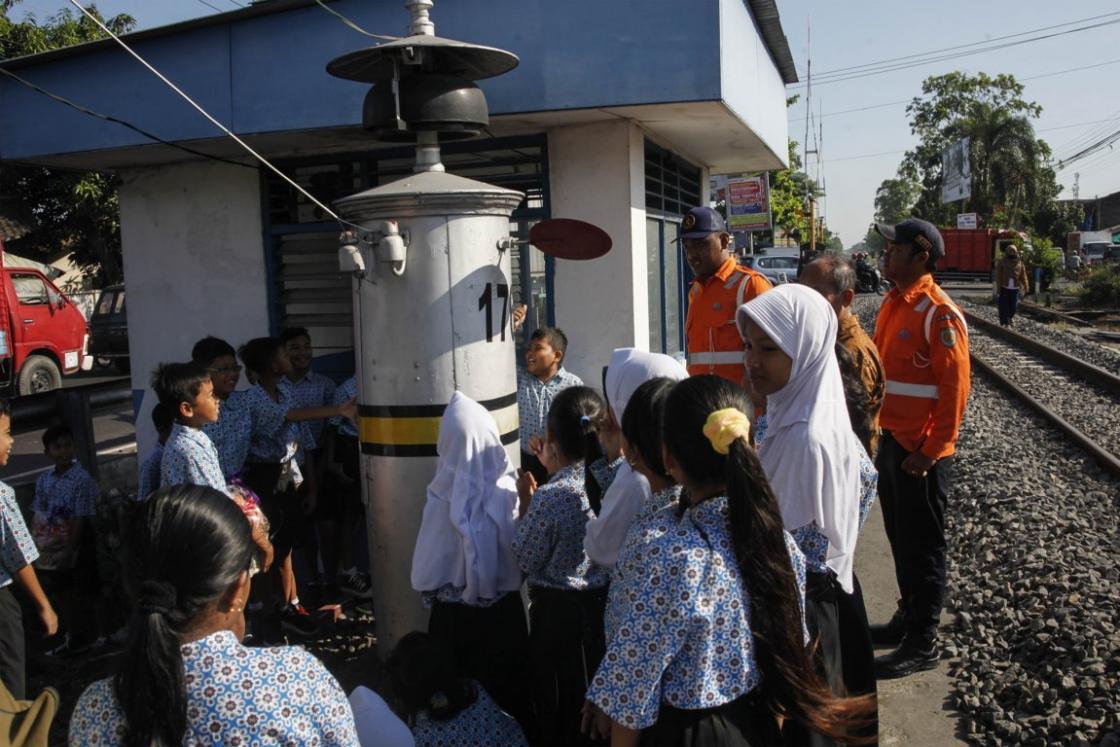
(1034, 650)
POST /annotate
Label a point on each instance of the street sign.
(748, 203)
(956, 172)
(967, 220)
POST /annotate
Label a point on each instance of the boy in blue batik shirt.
(189, 457)
(538, 383)
(65, 497)
(17, 553)
(65, 502)
(162, 418)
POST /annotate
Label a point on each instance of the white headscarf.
(629, 369)
(467, 530)
(809, 453)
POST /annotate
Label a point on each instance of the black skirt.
(491, 645)
(566, 646)
(744, 722)
(844, 656)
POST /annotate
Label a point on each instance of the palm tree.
(1007, 160)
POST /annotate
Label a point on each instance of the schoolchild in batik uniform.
(17, 553)
(567, 591)
(790, 340)
(687, 648)
(163, 418)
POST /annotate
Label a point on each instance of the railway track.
(1080, 399)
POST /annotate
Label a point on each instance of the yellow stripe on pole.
(418, 431)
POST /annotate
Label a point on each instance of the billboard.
(748, 203)
(956, 172)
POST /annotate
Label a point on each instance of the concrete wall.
(193, 264)
(751, 85)
(597, 174)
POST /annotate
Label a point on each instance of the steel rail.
(1095, 374)
(1105, 458)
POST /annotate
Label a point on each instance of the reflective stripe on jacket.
(713, 341)
(922, 339)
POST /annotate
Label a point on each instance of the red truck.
(971, 253)
(43, 336)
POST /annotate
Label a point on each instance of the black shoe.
(297, 620)
(908, 658)
(891, 633)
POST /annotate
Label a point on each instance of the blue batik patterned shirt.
(313, 390)
(604, 472)
(810, 538)
(549, 541)
(534, 398)
(481, 724)
(149, 473)
(254, 697)
(275, 440)
(71, 495)
(346, 391)
(679, 618)
(17, 549)
(189, 458)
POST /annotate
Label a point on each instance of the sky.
(859, 149)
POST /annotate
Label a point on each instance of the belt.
(716, 359)
(924, 391)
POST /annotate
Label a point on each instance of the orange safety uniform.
(922, 339)
(713, 341)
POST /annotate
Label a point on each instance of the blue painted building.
(618, 114)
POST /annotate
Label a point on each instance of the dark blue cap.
(919, 233)
(700, 222)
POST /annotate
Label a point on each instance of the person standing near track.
(720, 287)
(1011, 277)
(923, 343)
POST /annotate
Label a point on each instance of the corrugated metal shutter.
(311, 292)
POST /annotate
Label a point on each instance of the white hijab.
(629, 369)
(467, 530)
(809, 453)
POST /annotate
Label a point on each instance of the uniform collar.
(921, 287)
(723, 273)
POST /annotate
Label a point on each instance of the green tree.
(1009, 165)
(68, 212)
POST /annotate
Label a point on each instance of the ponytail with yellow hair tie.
(724, 426)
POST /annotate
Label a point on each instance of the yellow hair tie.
(724, 426)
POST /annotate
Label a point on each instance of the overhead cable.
(198, 107)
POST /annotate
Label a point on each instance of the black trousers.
(13, 652)
(281, 507)
(745, 722)
(491, 645)
(567, 643)
(914, 514)
(1008, 305)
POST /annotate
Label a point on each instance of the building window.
(672, 187)
(306, 288)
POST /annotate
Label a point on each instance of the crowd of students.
(685, 544)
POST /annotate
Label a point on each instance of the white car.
(777, 268)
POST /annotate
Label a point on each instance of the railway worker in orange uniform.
(720, 287)
(923, 342)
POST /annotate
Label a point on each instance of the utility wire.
(353, 25)
(907, 65)
(907, 101)
(123, 123)
(212, 120)
(828, 73)
(211, 6)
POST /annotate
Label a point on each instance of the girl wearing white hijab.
(810, 455)
(629, 368)
(463, 564)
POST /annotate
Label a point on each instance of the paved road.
(111, 425)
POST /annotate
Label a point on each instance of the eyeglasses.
(225, 370)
